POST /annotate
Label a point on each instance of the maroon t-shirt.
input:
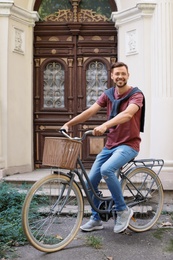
(127, 133)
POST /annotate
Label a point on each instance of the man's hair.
(119, 64)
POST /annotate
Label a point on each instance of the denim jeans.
(107, 162)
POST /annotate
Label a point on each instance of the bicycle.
(54, 206)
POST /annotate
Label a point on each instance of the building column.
(134, 48)
(16, 52)
(4, 28)
(145, 43)
(162, 83)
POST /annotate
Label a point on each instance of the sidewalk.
(155, 244)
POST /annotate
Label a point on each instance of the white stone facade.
(145, 43)
(16, 84)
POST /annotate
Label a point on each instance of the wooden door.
(72, 68)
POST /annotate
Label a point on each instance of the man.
(122, 145)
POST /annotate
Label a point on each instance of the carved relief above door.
(74, 47)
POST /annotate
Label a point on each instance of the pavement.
(155, 244)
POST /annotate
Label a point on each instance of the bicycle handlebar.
(63, 131)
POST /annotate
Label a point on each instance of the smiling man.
(125, 120)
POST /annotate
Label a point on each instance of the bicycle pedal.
(133, 218)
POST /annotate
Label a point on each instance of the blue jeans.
(107, 162)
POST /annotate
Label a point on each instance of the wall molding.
(134, 13)
(8, 9)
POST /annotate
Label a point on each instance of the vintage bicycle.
(54, 206)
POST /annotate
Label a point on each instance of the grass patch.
(168, 214)
(169, 247)
(94, 241)
(11, 232)
(171, 214)
(159, 233)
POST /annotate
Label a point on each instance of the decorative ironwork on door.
(96, 81)
(54, 85)
(75, 11)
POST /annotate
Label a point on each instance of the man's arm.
(84, 116)
(121, 118)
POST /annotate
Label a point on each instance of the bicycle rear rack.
(153, 164)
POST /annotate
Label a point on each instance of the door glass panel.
(96, 81)
(54, 75)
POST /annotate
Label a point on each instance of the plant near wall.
(11, 233)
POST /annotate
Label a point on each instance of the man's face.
(120, 76)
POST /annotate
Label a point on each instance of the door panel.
(72, 68)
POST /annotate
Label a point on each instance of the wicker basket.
(60, 152)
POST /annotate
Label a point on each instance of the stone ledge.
(166, 177)
(167, 180)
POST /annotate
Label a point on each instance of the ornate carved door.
(73, 50)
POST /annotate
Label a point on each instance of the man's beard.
(121, 85)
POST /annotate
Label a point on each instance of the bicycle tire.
(147, 210)
(48, 227)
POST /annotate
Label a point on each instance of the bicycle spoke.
(144, 194)
(52, 212)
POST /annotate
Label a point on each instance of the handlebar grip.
(63, 130)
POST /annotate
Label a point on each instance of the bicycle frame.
(122, 173)
(83, 184)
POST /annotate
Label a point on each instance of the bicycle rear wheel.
(50, 216)
(144, 194)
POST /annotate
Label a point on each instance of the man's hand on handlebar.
(99, 130)
(64, 128)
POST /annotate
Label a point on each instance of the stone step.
(32, 177)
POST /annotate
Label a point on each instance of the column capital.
(5, 7)
(142, 9)
(8, 9)
(24, 16)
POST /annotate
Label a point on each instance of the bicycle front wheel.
(143, 192)
(52, 212)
